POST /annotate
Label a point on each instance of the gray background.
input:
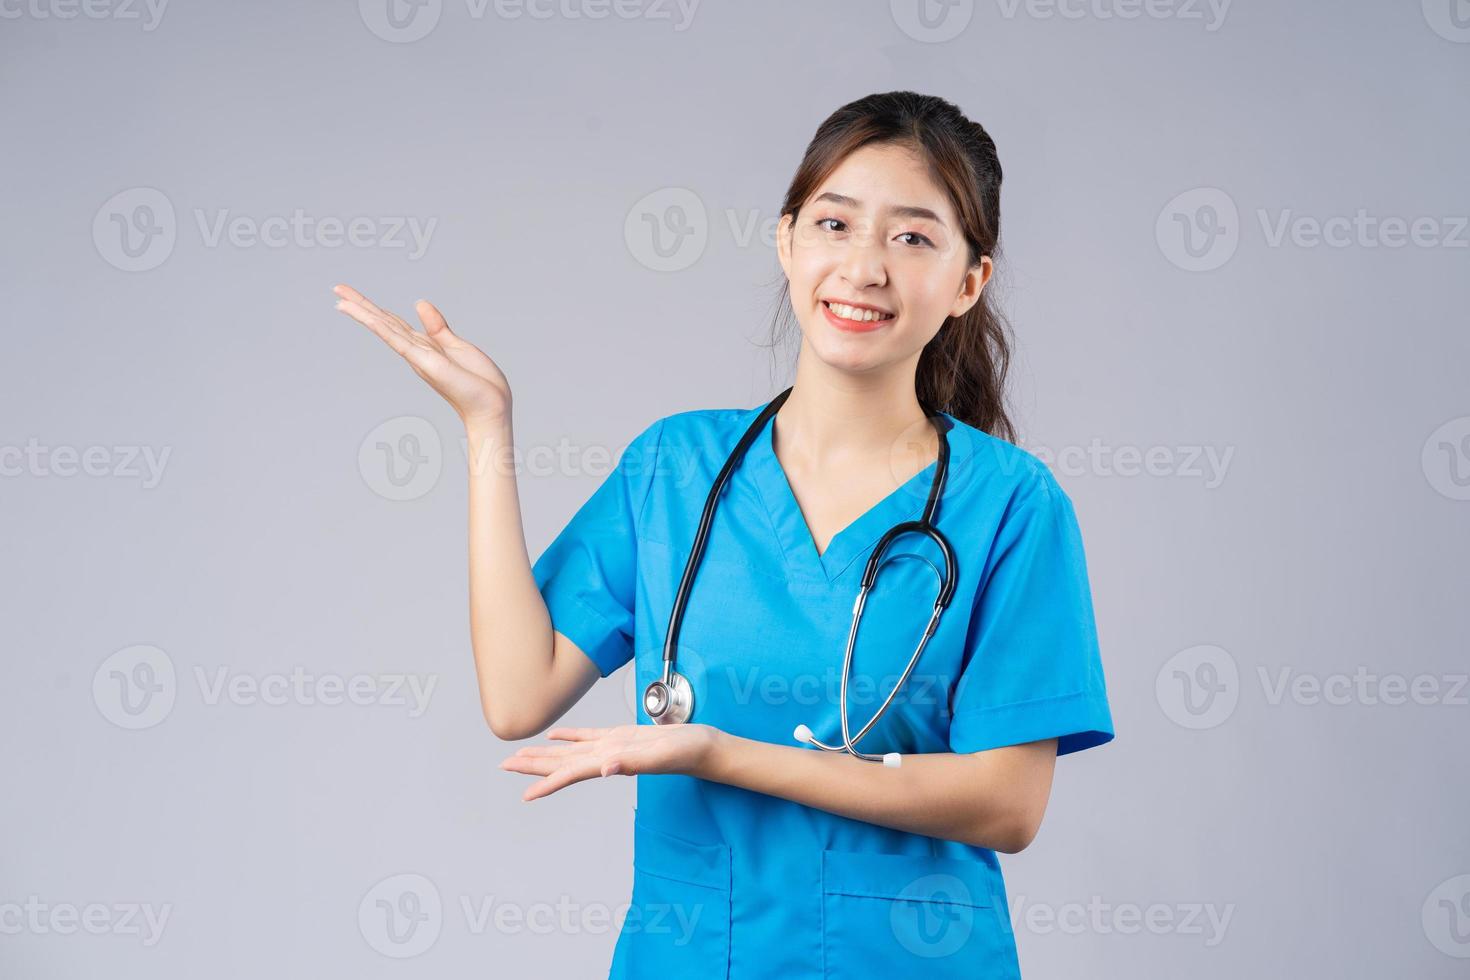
(1332, 835)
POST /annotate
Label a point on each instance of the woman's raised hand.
(453, 367)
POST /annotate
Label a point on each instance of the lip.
(854, 326)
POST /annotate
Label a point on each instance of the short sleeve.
(588, 574)
(1034, 670)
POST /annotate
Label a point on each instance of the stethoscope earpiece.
(670, 700)
(804, 735)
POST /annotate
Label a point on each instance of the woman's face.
(877, 234)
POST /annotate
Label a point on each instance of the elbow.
(1014, 841)
(1017, 834)
(1011, 835)
(511, 729)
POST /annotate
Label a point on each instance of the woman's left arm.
(995, 798)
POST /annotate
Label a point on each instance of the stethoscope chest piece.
(669, 702)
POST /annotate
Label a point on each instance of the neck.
(832, 417)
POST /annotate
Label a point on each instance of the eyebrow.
(904, 210)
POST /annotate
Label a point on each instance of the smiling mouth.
(855, 317)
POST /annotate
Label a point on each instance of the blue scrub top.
(733, 884)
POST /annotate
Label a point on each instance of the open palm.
(458, 370)
(627, 750)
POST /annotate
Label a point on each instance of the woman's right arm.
(529, 675)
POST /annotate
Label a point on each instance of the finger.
(563, 777)
(413, 331)
(434, 323)
(353, 296)
(383, 326)
(531, 767)
(388, 317)
(393, 338)
(578, 734)
(554, 751)
(348, 293)
(368, 317)
(427, 360)
(629, 762)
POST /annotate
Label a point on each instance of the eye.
(820, 221)
(915, 234)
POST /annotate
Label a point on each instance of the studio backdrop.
(242, 735)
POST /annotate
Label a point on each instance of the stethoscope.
(670, 699)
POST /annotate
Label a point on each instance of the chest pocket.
(679, 922)
(909, 915)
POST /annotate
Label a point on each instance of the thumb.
(434, 323)
(614, 766)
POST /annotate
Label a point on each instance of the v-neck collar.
(904, 503)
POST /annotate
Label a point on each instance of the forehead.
(881, 177)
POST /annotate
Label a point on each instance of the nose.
(862, 260)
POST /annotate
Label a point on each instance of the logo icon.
(1446, 459)
(932, 21)
(135, 230)
(667, 230)
(401, 459)
(1450, 19)
(400, 21)
(1446, 916)
(1199, 230)
(933, 916)
(135, 687)
(1199, 687)
(401, 916)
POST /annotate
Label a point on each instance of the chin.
(853, 355)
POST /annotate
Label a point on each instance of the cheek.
(925, 302)
(925, 292)
(810, 267)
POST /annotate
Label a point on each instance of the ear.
(783, 243)
(972, 285)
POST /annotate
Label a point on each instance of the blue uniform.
(733, 884)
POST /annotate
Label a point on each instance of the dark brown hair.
(962, 370)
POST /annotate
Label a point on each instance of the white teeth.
(856, 313)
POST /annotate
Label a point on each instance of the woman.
(757, 855)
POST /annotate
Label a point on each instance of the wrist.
(487, 426)
(486, 441)
(716, 758)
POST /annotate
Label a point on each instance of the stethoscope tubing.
(670, 699)
(701, 536)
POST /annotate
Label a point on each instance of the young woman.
(756, 853)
